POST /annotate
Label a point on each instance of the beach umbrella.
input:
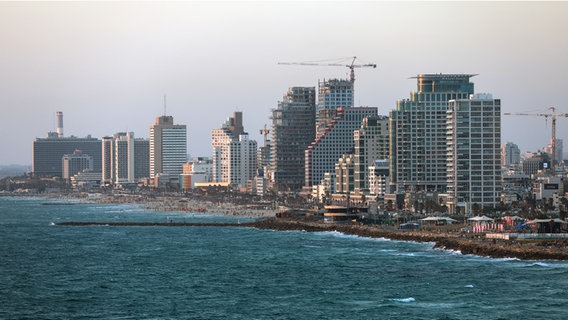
(431, 219)
(478, 218)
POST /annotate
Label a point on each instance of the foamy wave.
(404, 300)
(551, 264)
(351, 236)
(469, 286)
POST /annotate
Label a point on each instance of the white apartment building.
(229, 132)
(125, 159)
(474, 157)
(242, 161)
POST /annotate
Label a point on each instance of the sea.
(48, 271)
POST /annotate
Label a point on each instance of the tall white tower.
(59, 117)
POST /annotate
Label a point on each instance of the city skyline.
(107, 65)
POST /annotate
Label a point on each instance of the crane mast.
(553, 117)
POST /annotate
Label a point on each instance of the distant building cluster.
(442, 144)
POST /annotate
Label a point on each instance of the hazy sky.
(107, 65)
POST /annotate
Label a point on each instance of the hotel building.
(418, 132)
(168, 147)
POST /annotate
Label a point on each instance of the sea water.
(49, 271)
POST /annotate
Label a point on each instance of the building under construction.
(293, 129)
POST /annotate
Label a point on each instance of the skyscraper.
(418, 132)
(293, 129)
(242, 160)
(332, 95)
(474, 151)
(336, 139)
(168, 147)
(125, 159)
(230, 131)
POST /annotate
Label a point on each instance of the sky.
(108, 65)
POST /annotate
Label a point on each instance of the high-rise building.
(510, 155)
(168, 147)
(48, 153)
(293, 129)
(418, 132)
(242, 161)
(141, 158)
(75, 163)
(107, 146)
(125, 159)
(371, 143)
(336, 139)
(332, 95)
(230, 131)
(474, 151)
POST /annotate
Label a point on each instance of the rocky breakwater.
(526, 250)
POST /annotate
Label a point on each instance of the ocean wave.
(404, 300)
(549, 264)
(339, 234)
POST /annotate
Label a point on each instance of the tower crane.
(351, 66)
(265, 152)
(265, 132)
(553, 115)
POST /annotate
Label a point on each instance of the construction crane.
(351, 66)
(553, 117)
(265, 132)
(265, 152)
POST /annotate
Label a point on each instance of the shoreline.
(443, 240)
(523, 250)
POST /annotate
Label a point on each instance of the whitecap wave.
(404, 300)
(539, 264)
(469, 286)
